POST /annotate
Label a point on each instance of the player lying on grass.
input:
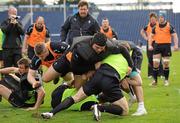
(25, 95)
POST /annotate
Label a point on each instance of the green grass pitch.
(162, 104)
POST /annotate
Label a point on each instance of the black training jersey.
(84, 57)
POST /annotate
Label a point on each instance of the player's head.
(99, 42)
(39, 22)
(12, 11)
(41, 50)
(105, 23)
(23, 65)
(162, 16)
(83, 8)
(153, 18)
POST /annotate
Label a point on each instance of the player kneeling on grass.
(131, 84)
(25, 94)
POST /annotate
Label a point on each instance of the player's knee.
(166, 62)
(166, 65)
(124, 85)
(123, 104)
(156, 65)
(156, 62)
(138, 80)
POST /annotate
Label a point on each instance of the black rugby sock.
(166, 73)
(155, 73)
(63, 105)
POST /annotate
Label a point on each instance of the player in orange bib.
(162, 32)
(36, 33)
(108, 30)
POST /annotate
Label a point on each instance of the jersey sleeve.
(172, 29)
(29, 30)
(145, 28)
(35, 63)
(47, 33)
(59, 47)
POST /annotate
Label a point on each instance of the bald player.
(37, 32)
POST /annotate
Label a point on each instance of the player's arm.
(137, 58)
(174, 36)
(25, 45)
(40, 97)
(34, 65)
(47, 39)
(126, 55)
(59, 47)
(95, 27)
(6, 27)
(65, 28)
(31, 78)
(15, 77)
(19, 27)
(150, 39)
(144, 34)
(115, 37)
(25, 42)
(9, 70)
